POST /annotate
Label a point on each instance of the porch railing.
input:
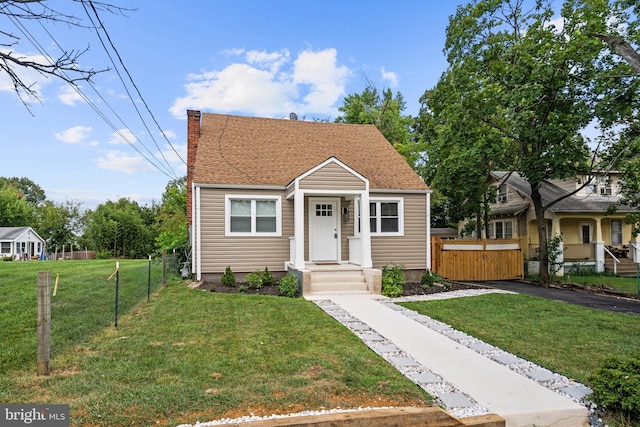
(616, 261)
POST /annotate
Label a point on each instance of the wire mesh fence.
(84, 303)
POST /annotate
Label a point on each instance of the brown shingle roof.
(240, 150)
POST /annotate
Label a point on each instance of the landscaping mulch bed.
(409, 288)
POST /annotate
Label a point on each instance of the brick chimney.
(193, 135)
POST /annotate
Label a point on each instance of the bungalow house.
(304, 197)
(21, 243)
(592, 237)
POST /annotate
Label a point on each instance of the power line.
(168, 172)
(95, 12)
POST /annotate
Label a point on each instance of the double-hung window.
(253, 216)
(500, 230)
(386, 217)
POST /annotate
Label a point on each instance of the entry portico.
(323, 188)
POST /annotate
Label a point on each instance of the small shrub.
(616, 386)
(393, 280)
(103, 254)
(242, 289)
(267, 278)
(228, 278)
(289, 286)
(429, 278)
(255, 279)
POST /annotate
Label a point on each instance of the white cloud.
(122, 162)
(122, 136)
(268, 84)
(169, 134)
(69, 96)
(74, 135)
(390, 77)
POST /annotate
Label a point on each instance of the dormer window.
(502, 193)
(605, 188)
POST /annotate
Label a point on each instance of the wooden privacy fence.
(477, 260)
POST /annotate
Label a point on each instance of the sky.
(264, 58)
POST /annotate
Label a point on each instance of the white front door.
(324, 229)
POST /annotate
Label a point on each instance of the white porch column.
(298, 220)
(599, 247)
(365, 232)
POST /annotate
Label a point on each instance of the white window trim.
(253, 198)
(400, 202)
(588, 224)
(504, 222)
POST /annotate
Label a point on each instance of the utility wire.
(124, 67)
(115, 67)
(42, 51)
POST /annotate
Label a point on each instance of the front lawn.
(186, 356)
(565, 338)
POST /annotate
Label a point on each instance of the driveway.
(603, 302)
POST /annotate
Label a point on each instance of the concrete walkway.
(469, 377)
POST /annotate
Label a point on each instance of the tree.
(172, 216)
(59, 224)
(66, 66)
(122, 229)
(532, 84)
(15, 210)
(385, 112)
(31, 191)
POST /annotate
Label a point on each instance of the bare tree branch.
(65, 67)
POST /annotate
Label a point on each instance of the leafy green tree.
(59, 224)
(15, 210)
(31, 191)
(172, 216)
(385, 112)
(531, 86)
(122, 229)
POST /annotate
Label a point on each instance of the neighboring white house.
(20, 243)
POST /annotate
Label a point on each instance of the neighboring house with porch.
(309, 198)
(20, 243)
(591, 236)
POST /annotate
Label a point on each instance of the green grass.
(623, 284)
(84, 303)
(568, 339)
(192, 356)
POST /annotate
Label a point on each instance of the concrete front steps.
(321, 280)
(626, 267)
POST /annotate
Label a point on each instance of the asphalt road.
(603, 302)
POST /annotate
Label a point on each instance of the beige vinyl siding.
(410, 249)
(346, 227)
(242, 254)
(334, 177)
